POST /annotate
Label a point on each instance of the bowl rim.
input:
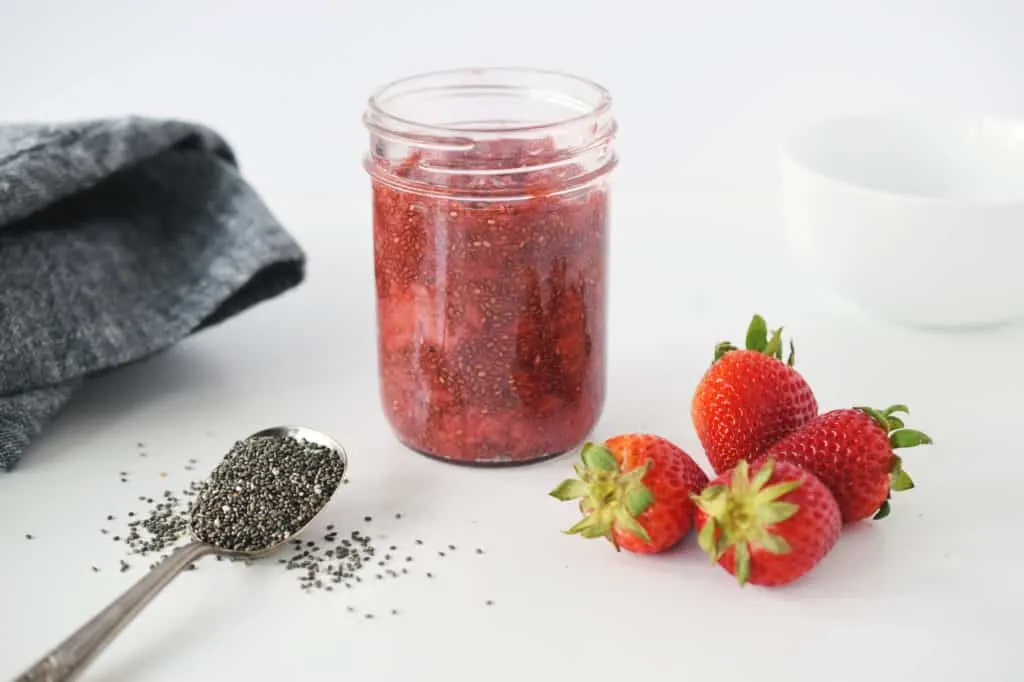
(789, 153)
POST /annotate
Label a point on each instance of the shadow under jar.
(490, 212)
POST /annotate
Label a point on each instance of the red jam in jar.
(490, 224)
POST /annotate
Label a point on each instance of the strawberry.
(749, 399)
(770, 529)
(851, 451)
(634, 490)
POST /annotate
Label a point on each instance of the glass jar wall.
(490, 223)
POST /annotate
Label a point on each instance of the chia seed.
(275, 505)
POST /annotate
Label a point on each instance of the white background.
(704, 93)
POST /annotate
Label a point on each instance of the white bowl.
(918, 219)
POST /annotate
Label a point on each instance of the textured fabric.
(119, 238)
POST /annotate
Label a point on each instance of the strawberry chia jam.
(490, 222)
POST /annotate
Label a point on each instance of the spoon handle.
(71, 657)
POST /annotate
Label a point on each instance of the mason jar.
(490, 232)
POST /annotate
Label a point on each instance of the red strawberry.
(851, 451)
(771, 529)
(749, 399)
(634, 490)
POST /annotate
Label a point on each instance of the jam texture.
(491, 311)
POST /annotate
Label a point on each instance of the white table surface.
(703, 97)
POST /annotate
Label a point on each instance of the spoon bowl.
(299, 433)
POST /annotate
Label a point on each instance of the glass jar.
(490, 210)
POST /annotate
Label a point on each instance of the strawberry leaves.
(745, 513)
(908, 438)
(598, 458)
(759, 341)
(569, 489)
(899, 437)
(757, 334)
(609, 497)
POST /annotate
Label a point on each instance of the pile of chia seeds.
(264, 490)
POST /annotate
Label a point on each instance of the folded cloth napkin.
(119, 238)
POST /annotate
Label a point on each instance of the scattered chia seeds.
(302, 478)
(264, 490)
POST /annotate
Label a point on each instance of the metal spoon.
(70, 658)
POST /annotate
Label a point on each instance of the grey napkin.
(119, 238)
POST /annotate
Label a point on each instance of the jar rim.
(377, 112)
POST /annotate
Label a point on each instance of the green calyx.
(899, 437)
(759, 340)
(609, 497)
(741, 513)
